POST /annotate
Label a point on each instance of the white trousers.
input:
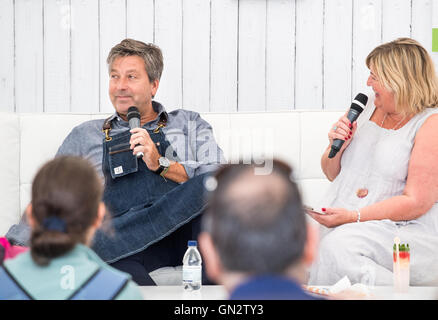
(364, 252)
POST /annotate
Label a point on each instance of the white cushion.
(9, 171)
(265, 135)
(41, 136)
(220, 122)
(25, 196)
(314, 140)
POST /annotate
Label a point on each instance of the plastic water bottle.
(192, 267)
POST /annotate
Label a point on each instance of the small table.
(414, 293)
(211, 292)
(216, 292)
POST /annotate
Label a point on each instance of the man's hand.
(141, 141)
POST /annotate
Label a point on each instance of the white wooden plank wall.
(280, 54)
(309, 55)
(56, 54)
(29, 56)
(252, 55)
(196, 55)
(219, 55)
(223, 55)
(168, 35)
(7, 64)
(367, 34)
(84, 58)
(337, 50)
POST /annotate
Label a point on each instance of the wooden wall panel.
(280, 55)
(219, 55)
(338, 20)
(29, 56)
(309, 55)
(57, 19)
(252, 55)
(196, 55)
(85, 56)
(168, 35)
(367, 33)
(397, 19)
(223, 55)
(7, 56)
(140, 20)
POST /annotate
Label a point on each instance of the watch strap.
(164, 171)
(159, 170)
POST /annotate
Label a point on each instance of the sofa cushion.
(265, 135)
(10, 171)
(220, 123)
(41, 136)
(314, 140)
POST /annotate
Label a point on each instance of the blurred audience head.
(65, 208)
(255, 224)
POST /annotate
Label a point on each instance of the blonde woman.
(385, 177)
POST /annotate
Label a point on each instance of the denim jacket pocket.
(121, 160)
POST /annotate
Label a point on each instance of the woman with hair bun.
(64, 213)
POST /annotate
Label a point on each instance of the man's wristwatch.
(164, 166)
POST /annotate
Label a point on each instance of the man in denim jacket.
(156, 199)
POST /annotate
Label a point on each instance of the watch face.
(164, 162)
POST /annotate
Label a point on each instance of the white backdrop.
(219, 55)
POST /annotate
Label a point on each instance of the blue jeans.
(167, 252)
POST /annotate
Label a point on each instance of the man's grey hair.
(150, 53)
(257, 222)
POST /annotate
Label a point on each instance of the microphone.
(357, 106)
(134, 122)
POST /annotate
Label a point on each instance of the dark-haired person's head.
(65, 208)
(135, 70)
(256, 225)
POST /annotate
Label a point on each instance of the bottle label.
(192, 273)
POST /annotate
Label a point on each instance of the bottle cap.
(192, 243)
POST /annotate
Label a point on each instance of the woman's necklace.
(398, 123)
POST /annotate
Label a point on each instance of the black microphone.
(134, 122)
(357, 106)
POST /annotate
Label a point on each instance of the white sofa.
(299, 137)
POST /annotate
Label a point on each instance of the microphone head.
(363, 98)
(133, 113)
(359, 102)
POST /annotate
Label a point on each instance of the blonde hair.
(404, 67)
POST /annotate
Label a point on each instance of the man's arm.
(208, 155)
(176, 172)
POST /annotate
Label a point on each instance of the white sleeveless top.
(377, 159)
